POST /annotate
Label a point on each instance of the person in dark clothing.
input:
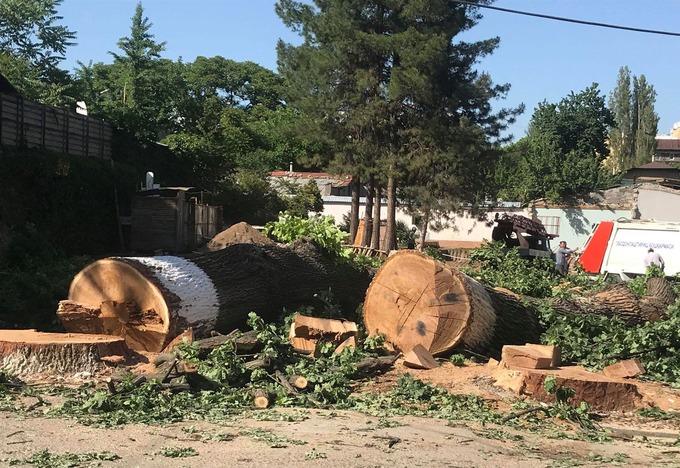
(562, 258)
(411, 241)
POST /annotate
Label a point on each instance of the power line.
(570, 20)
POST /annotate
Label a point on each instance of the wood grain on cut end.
(415, 300)
(25, 352)
(129, 304)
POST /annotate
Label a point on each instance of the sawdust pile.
(240, 233)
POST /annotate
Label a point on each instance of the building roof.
(6, 86)
(336, 180)
(667, 144)
(617, 198)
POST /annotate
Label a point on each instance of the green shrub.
(320, 229)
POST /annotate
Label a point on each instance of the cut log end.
(415, 300)
(298, 381)
(261, 399)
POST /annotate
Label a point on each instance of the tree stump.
(416, 300)
(24, 352)
(150, 300)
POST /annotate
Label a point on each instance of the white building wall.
(576, 224)
(462, 227)
(659, 204)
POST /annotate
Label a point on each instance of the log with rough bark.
(619, 301)
(25, 352)
(416, 300)
(150, 300)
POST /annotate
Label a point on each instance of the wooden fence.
(28, 124)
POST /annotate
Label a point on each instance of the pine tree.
(375, 74)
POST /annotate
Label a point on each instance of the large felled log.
(29, 352)
(619, 301)
(416, 300)
(155, 298)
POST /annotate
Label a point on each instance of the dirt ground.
(305, 437)
(324, 438)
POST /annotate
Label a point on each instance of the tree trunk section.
(354, 210)
(29, 352)
(423, 230)
(375, 236)
(416, 300)
(368, 214)
(213, 290)
(619, 301)
(391, 228)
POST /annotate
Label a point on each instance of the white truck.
(619, 247)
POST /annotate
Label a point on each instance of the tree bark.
(375, 236)
(213, 290)
(354, 210)
(27, 352)
(619, 301)
(391, 228)
(423, 229)
(368, 213)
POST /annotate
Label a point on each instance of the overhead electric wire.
(570, 20)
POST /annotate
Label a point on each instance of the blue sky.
(542, 59)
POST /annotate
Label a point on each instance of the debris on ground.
(306, 333)
(420, 358)
(627, 369)
(529, 356)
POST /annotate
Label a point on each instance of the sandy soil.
(325, 438)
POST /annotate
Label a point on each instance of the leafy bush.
(597, 341)
(320, 229)
(500, 266)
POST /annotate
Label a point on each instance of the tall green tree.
(445, 123)
(632, 138)
(339, 78)
(562, 154)
(139, 91)
(622, 134)
(646, 121)
(32, 45)
(374, 74)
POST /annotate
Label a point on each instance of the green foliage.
(32, 44)
(563, 407)
(562, 153)
(320, 229)
(301, 199)
(500, 266)
(598, 341)
(269, 437)
(47, 459)
(178, 452)
(415, 397)
(457, 360)
(434, 253)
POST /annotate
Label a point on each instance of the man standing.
(562, 258)
(653, 258)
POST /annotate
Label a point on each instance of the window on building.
(551, 224)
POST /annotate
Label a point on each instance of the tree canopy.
(562, 154)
